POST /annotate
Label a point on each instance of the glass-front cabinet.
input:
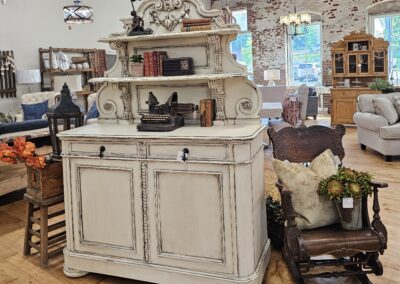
(352, 64)
(338, 61)
(363, 64)
(380, 59)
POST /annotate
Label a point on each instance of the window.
(304, 57)
(242, 47)
(388, 27)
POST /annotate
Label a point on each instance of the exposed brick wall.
(339, 18)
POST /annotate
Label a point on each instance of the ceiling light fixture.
(78, 14)
(295, 24)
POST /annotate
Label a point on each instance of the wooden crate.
(47, 182)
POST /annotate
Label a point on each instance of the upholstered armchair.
(312, 104)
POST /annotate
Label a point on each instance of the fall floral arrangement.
(21, 151)
(346, 183)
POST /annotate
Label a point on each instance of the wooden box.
(47, 182)
(178, 66)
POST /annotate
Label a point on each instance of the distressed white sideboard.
(132, 209)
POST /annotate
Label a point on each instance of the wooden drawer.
(110, 149)
(344, 93)
(201, 152)
(367, 92)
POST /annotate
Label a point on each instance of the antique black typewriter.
(164, 117)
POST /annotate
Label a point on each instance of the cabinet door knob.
(185, 155)
(102, 150)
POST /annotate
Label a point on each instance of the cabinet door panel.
(344, 109)
(108, 212)
(188, 216)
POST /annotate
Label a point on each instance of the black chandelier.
(78, 14)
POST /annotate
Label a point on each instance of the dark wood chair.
(356, 251)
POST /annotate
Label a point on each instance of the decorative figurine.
(138, 24)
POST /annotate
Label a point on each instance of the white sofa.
(31, 98)
(374, 130)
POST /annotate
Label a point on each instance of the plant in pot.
(136, 65)
(346, 188)
(381, 85)
(275, 222)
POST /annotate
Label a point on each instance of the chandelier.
(78, 14)
(295, 24)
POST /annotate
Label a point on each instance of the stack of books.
(190, 25)
(153, 63)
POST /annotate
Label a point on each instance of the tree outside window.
(304, 57)
(388, 27)
(242, 47)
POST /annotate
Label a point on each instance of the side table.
(47, 246)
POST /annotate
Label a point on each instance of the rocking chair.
(356, 251)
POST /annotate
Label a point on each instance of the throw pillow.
(312, 210)
(92, 113)
(291, 110)
(35, 111)
(384, 107)
(396, 103)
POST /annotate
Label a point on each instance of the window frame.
(244, 32)
(371, 30)
(289, 60)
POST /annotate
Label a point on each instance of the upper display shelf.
(201, 77)
(166, 36)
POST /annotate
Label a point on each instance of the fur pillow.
(384, 107)
(313, 211)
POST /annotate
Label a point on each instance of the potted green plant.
(382, 85)
(136, 65)
(346, 188)
(275, 222)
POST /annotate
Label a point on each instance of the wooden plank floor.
(15, 268)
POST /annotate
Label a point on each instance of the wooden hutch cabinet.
(357, 59)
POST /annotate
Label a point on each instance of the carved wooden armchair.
(356, 251)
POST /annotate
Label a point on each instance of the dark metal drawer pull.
(102, 150)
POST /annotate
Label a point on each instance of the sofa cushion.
(92, 113)
(312, 210)
(23, 126)
(391, 132)
(35, 111)
(370, 121)
(396, 103)
(384, 107)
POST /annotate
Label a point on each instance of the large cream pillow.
(312, 210)
(384, 107)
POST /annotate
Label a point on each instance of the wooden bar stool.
(47, 246)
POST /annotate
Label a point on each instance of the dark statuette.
(137, 24)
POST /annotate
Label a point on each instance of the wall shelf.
(201, 77)
(179, 35)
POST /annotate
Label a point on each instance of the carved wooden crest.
(169, 13)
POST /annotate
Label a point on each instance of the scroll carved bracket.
(122, 50)
(126, 98)
(218, 93)
(215, 43)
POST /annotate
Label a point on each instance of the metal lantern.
(61, 116)
(78, 14)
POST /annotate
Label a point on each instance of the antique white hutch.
(132, 209)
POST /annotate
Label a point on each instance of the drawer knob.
(183, 155)
(102, 150)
